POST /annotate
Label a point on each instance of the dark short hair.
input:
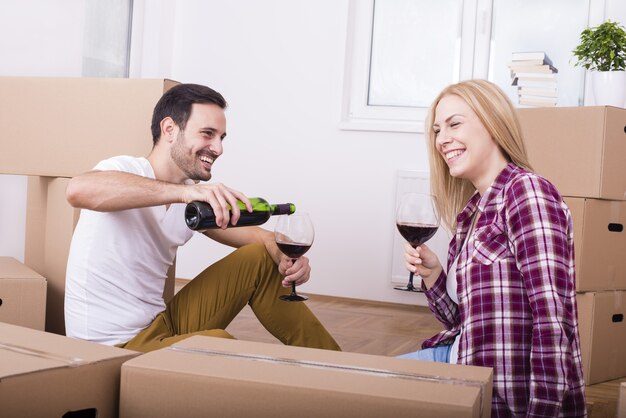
(176, 103)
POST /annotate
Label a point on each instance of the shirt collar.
(479, 202)
(498, 184)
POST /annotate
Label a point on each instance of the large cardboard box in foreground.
(231, 378)
(602, 335)
(22, 295)
(580, 149)
(600, 243)
(48, 375)
(61, 127)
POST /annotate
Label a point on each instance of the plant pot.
(609, 88)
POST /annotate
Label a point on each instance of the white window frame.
(474, 63)
(357, 114)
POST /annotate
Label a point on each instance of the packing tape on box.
(338, 367)
(71, 361)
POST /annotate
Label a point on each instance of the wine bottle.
(199, 216)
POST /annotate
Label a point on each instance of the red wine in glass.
(294, 236)
(416, 234)
(417, 220)
(293, 250)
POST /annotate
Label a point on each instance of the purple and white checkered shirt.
(517, 298)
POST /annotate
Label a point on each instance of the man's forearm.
(108, 191)
(238, 237)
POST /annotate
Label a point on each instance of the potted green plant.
(602, 51)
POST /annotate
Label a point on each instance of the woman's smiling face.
(465, 144)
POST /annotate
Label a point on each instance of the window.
(106, 40)
(402, 57)
(401, 53)
(536, 25)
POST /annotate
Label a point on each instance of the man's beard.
(187, 163)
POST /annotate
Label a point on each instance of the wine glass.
(294, 236)
(417, 220)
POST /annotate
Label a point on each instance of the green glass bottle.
(199, 216)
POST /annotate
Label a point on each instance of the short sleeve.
(127, 164)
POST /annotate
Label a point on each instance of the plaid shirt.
(517, 297)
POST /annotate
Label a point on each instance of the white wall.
(37, 38)
(279, 63)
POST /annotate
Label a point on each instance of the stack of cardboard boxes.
(582, 151)
(55, 128)
(74, 123)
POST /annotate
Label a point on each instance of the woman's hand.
(423, 262)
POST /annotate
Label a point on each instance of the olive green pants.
(207, 304)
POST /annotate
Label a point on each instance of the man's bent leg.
(248, 275)
(292, 323)
(159, 335)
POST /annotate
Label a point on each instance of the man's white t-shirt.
(118, 264)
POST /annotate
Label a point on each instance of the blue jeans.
(440, 354)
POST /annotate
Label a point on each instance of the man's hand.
(219, 197)
(110, 191)
(298, 272)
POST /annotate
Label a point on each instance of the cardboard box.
(48, 375)
(50, 222)
(74, 112)
(230, 378)
(602, 335)
(621, 403)
(580, 149)
(22, 295)
(599, 243)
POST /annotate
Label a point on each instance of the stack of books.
(534, 75)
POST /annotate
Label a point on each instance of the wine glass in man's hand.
(417, 220)
(294, 236)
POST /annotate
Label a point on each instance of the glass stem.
(410, 285)
(293, 284)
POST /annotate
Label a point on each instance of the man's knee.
(256, 257)
(256, 252)
(253, 250)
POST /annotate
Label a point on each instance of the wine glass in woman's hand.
(294, 236)
(417, 220)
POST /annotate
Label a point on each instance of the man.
(132, 223)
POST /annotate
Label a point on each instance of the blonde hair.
(499, 117)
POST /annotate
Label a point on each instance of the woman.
(507, 297)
